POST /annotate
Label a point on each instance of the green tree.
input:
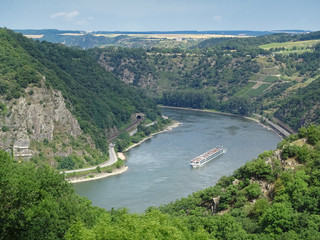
(253, 191)
(277, 219)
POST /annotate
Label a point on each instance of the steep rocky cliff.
(39, 116)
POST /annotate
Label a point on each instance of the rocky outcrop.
(40, 114)
(215, 203)
(129, 71)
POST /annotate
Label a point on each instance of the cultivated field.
(171, 36)
(34, 36)
(291, 47)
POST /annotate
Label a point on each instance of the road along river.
(159, 170)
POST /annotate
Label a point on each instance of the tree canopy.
(264, 199)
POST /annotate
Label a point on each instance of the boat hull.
(206, 157)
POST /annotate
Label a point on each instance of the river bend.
(159, 170)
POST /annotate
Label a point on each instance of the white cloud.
(217, 18)
(56, 15)
(82, 23)
(65, 15)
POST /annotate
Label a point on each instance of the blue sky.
(161, 15)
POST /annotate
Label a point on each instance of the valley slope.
(266, 75)
(58, 105)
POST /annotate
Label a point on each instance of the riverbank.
(96, 176)
(276, 128)
(120, 155)
(199, 110)
(162, 164)
(173, 125)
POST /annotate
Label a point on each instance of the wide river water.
(159, 170)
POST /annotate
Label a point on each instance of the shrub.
(5, 129)
(66, 163)
(253, 191)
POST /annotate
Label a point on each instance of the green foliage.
(196, 80)
(258, 169)
(277, 219)
(119, 224)
(312, 133)
(220, 72)
(66, 163)
(293, 206)
(124, 140)
(69, 162)
(253, 191)
(259, 208)
(3, 109)
(289, 151)
(301, 106)
(119, 164)
(37, 203)
(98, 99)
(5, 129)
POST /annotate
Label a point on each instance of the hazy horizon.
(165, 15)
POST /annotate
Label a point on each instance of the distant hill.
(226, 32)
(147, 39)
(237, 75)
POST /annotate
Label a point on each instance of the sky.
(161, 15)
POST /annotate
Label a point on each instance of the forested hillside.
(242, 75)
(275, 196)
(237, 75)
(181, 78)
(100, 102)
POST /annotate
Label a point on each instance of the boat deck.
(206, 154)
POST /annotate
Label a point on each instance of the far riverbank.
(171, 126)
(276, 128)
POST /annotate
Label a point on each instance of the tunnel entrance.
(139, 116)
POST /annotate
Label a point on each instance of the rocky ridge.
(37, 116)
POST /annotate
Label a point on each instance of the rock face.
(129, 71)
(37, 116)
(215, 203)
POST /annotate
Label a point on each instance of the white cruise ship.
(206, 157)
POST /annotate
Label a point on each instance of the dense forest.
(275, 196)
(183, 79)
(96, 97)
(235, 75)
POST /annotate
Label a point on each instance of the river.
(159, 170)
